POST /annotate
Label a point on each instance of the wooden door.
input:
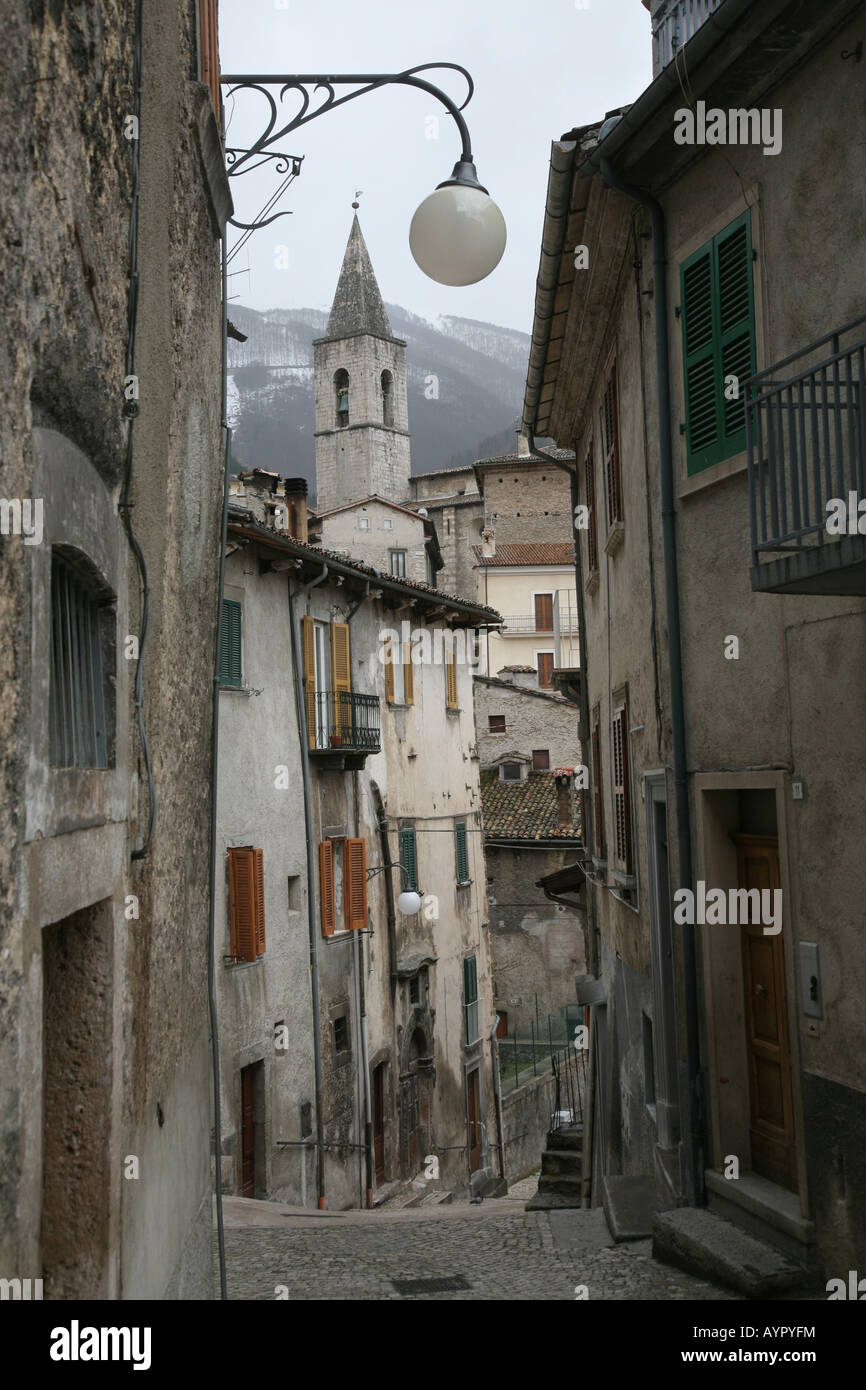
(766, 1016)
(474, 1126)
(379, 1123)
(248, 1135)
(544, 612)
(545, 668)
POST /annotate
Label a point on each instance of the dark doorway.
(379, 1123)
(252, 1130)
(76, 1103)
(766, 1013)
(474, 1123)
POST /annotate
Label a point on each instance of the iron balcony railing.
(805, 440)
(674, 24)
(342, 719)
(528, 623)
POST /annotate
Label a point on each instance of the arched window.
(387, 398)
(341, 391)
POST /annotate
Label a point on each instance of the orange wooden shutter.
(260, 903)
(209, 47)
(451, 682)
(544, 612)
(355, 864)
(341, 677)
(326, 876)
(408, 682)
(309, 680)
(243, 903)
(389, 679)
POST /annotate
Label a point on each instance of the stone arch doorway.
(416, 1092)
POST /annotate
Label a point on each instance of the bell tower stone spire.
(362, 420)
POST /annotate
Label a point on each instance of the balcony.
(806, 447)
(343, 728)
(528, 625)
(674, 22)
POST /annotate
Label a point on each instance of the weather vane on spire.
(358, 192)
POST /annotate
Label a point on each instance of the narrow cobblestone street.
(494, 1251)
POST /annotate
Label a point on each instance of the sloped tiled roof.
(525, 810)
(534, 553)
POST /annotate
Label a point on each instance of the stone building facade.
(722, 658)
(104, 1190)
(396, 1012)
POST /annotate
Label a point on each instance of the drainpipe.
(672, 609)
(391, 915)
(301, 706)
(497, 1094)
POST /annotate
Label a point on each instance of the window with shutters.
(597, 788)
(399, 675)
(470, 999)
(343, 885)
(543, 604)
(397, 563)
(717, 309)
(621, 791)
(609, 438)
(83, 620)
(208, 47)
(496, 723)
(231, 664)
(462, 850)
(246, 903)
(451, 682)
(409, 859)
(540, 759)
(589, 493)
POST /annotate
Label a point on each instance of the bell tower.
(362, 420)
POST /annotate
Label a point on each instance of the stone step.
(554, 1201)
(562, 1185)
(630, 1204)
(569, 1137)
(566, 1161)
(766, 1211)
(436, 1199)
(705, 1244)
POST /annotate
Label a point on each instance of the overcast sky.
(540, 67)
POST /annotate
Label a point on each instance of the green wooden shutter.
(736, 326)
(718, 317)
(409, 859)
(230, 643)
(470, 980)
(462, 854)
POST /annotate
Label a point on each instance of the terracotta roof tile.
(540, 553)
(526, 810)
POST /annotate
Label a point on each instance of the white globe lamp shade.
(458, 234)
(408, 903)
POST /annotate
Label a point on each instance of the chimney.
(522, 446)
(296, 508)
(564, 805)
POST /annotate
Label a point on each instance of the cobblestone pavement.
(498, 1250)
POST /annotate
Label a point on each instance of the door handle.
(761, 991)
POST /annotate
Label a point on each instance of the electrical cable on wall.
(130, 411)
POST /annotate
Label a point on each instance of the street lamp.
(409, 902)
(458, 234)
